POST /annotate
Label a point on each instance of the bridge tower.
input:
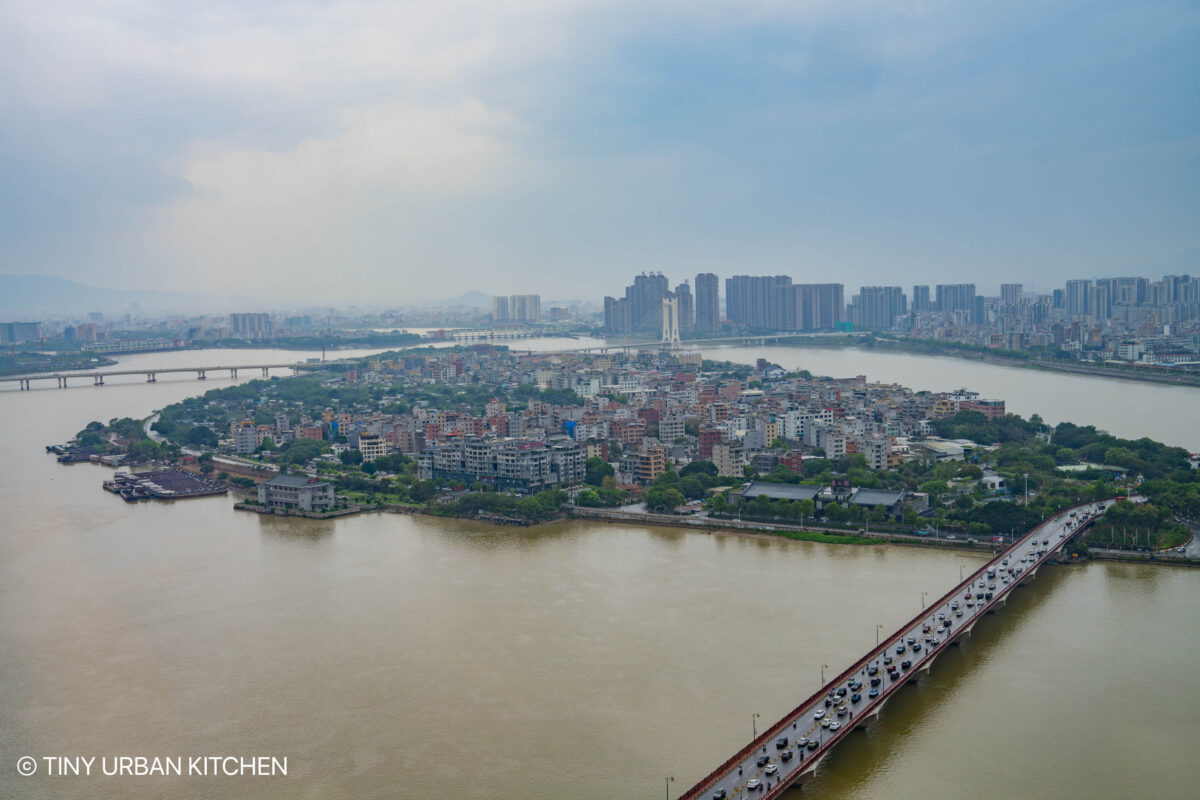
(670, 320)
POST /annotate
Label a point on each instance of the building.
(296, 492)
(878, 307)
(651, 463)
(250, 326)
(728, 458)
(920, 299)
(517, 308)
(685, 306)
(18, 332)
(708, 309)
(530, 464)
(372, 446)
(1010, 294)
(955, 297)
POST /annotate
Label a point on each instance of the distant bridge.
(97, 376)
(745, 339)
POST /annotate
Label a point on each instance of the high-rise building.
(955, 297)
(517, 308)
(1077, 296)
(645, 302)
(250, 326)
(686, 308)
(878, 307)
(819, 306)
(757, 301)
(920, 299)
(708, 308)
(1010, 294)
(17, 332)
(616, 316)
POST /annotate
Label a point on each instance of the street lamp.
(960, 575)
(923, 594)
(754, 725)
(878, 628)
(823, 668)
(667, 782)
(1026, 474)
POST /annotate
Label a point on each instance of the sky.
(398, 152)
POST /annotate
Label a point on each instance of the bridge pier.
(200, 376)
(151, 378)
(265, 372)
(99, 381)
(62, 382)
(233, 372)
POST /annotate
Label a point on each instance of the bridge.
(791, 750)
(497, 334)
(97, 376)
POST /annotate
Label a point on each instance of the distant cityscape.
(1126, 319)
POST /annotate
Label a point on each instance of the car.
(936, 641)
(887, 660)
(719, 794)
(952, 536)
(825, 722)
(841, 692)
(763, 761)
(786, 755)
(873, 693)
(781, 743)
(959, 612)
(872, 670)
(841, 710)
(941, 615)
(754, 783)
(905, 664)
(954, 605)
(771, 769)
(833, 726)
(802, 742)
(899, 649)
(854, 698)
(875, 681)
(854, 686)
(813, 744)
(917, 647)
(991, 587)
(970, 604)
(820, 712)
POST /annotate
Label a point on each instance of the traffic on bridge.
(792, 748)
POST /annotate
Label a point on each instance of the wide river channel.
(391, 656)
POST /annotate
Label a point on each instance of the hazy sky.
(388, 152)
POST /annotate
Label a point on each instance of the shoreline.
(891, 345)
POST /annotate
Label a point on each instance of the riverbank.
(921, 347)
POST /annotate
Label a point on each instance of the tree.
(200, 436)
(663, 499)
(350, 457)
(597, 470)
(699, 468)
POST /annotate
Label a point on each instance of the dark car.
(905, 664)
(786, 755)
(916, 647)
(781, 742)
(873, 693)
(856, 697)
(762, 761)
(875, 681)
(813, 744)
(719, 794)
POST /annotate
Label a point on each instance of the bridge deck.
(819, 723)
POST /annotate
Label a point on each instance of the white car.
(825, 722)
(819, 713)
(754, 783)
(833, 726)
(771, 769)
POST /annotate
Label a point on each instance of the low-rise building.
(296, 492)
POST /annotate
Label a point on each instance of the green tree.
(597, 470)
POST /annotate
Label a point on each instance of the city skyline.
(273, 150)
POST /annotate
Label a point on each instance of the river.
(390, 656)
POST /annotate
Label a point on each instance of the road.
(796, 744)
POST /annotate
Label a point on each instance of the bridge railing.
(779, 727)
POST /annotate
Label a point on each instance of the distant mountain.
(33, 295)
(470, 299)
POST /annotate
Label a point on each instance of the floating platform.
(163, 484)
